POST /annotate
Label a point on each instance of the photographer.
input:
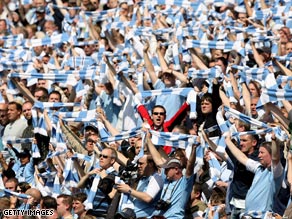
(148, 190)
(177, 187)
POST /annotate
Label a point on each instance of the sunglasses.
(158, 113)
(103, 156)
(91, 141)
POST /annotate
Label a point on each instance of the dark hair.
(182, 129)
(9, 173)
(79, 197)
(49, 202)
(257, 86)
(24, 186)
(45, 96)
(18, 105)
(223, 60)
(67, 200)
(207, 97)
(57, 93)
(268, 146)
(198, 188)
(218, 196)
(158, 106)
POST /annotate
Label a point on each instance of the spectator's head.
(31, 30)
(78, 206)
(146, 166)
(64, 205)
(91, 141)
(168, 79)
(3, 27)
(14, 111)
(111, 4)
(11, 184)
(265, 154)
(39, 3)
(3, 114)
(50, 27)
(54, 96)
(285, 35)
(124, 9)
(197, 191)
(36, 196)
(254, 88)
(222, 63)
(216, 53)
(48, 202)
(88, 49)
(107, 158)
(23, 187)
(158, 116)
(26, 110)
(41, 94)
(42, 83)
(241, 126)
(40, 13)
(288, 47)
(4, 203)
(24, 157)
(207, 104)
(248, 143)
(253, 106)
(132, 140)
(173, 169)
(138, 145)
(7, 174)
(217, 197)
(90, 129)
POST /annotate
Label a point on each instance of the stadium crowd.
(146, 109)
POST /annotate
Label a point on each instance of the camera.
(162, 205)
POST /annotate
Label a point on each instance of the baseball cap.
(171, 163)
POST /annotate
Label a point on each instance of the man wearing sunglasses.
(157, 119)
(105, 182)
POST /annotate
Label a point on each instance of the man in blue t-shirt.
(268, 175)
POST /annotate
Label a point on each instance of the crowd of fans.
(146, 109)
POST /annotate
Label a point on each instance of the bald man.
(35, 198)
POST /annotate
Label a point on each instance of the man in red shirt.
(157, 119)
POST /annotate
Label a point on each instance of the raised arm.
(196, 59)
(158, 159)
(246, 98)
(241, 157)
(191, 162)
(148, 64)
(180, 76)
(256, 56)
(249, 9)
(275, 151)
(161, 59)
